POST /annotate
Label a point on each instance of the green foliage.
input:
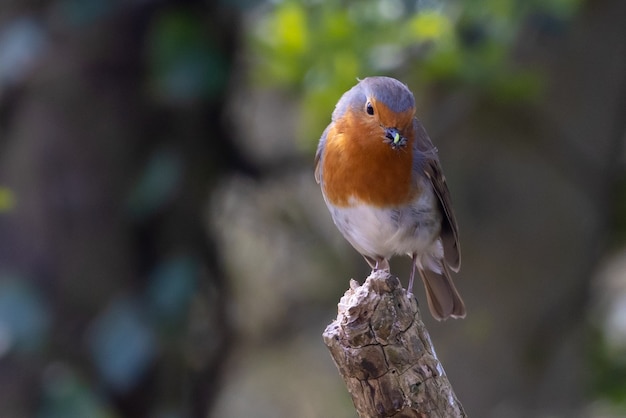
(67, 395)
(184, 63)
(170, 291)
(81, 13)
(320, 48)
(122, 344)
(24, 316)
(7, 199)
(609, 371)
(158, 183)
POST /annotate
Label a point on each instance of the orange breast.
(358, 164)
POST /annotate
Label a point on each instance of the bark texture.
(384, 353)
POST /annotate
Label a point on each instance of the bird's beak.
(394, 137)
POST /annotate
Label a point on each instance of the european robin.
(383, 184)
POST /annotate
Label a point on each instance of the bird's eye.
(369, 108)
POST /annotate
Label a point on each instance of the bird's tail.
(444, 300)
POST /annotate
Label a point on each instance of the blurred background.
(165, 251)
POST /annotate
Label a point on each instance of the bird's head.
(384, 108)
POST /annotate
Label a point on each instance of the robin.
(383, 184)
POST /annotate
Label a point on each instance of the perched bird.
(382, 182)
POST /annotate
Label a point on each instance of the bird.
(383, 184)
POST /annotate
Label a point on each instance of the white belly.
(377, 232)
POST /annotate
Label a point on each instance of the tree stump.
(384, 354)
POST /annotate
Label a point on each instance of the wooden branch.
(384, 354)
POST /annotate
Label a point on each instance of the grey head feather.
(389, 91)
(354, 98)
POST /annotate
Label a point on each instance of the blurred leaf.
(22, 41)
(284, 37)
(65, 395)
(79, 12)
(158, 184)
(7, 199)
(320, 48)
(241, 4)
(608, 370)
(517, 86)
(288, 30)
(172, 285)
(430, 25)
(563, 9)
(185, 64)
(122, 345)
(443, 65)
(24, 318)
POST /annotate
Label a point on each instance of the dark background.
(165, 251)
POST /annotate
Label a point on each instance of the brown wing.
(449, 228)
(430, 166)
